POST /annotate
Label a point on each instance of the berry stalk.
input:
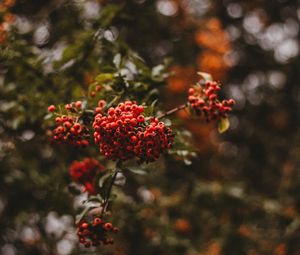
(170, 112)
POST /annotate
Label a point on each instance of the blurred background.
(238, 195)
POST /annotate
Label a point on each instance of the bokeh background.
(238, 195)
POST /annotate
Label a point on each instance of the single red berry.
(141, 118)
(85, 225)
(101, 103)
(68, 107)
(108, 226)
(191, 91)
(98, 88)
(78, 104)
(97, 221)
(51, 108)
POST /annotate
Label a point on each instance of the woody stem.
(176, 109)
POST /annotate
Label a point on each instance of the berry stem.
(105, 203)
(176, 109)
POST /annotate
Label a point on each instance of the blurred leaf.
(84, 212)
(104, 77)
(137, 170)
(103, 179)
(224, 124)
(205, 76)
(117, 60)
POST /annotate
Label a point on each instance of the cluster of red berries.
(71, 132)
(123, 133)
(95, 233)
(68, 129)
(84, 173)
(203, 99)
(153, 141)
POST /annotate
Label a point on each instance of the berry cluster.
(123, 134)
(70, 131)
(84, 172)
(203, 99)
(95, 233)
(153, 141)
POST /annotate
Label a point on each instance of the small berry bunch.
(153, 141)
(123, 133)
(95, 233)
(203, 99)
(84, 173)
(68, 129)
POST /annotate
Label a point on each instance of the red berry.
(84, 225)
(108, 226)
(78, 104)
(141, 118)
(68, 107)
(191, 91)
(51, 108)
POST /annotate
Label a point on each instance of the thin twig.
(183, 106)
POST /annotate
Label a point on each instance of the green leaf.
(103, 179)
(205, 76)
(48, 116)
(83, 213)
(137, 170)
(224, 124)
(104, 77)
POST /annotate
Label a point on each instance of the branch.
(183, 106)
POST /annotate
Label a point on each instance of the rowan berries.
(71, 132)
(84, 173)
(204, 100)
(123, 133)
(94, 234)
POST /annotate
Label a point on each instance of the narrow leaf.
(205, 76)
(104, 77)
(224, 124)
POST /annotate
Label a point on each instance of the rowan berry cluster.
(123, 133)
(203, 99)
(70, 131)
(84, 173)
(95, 233)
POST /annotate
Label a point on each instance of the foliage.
(207, 196)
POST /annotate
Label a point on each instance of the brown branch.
(183, 106)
